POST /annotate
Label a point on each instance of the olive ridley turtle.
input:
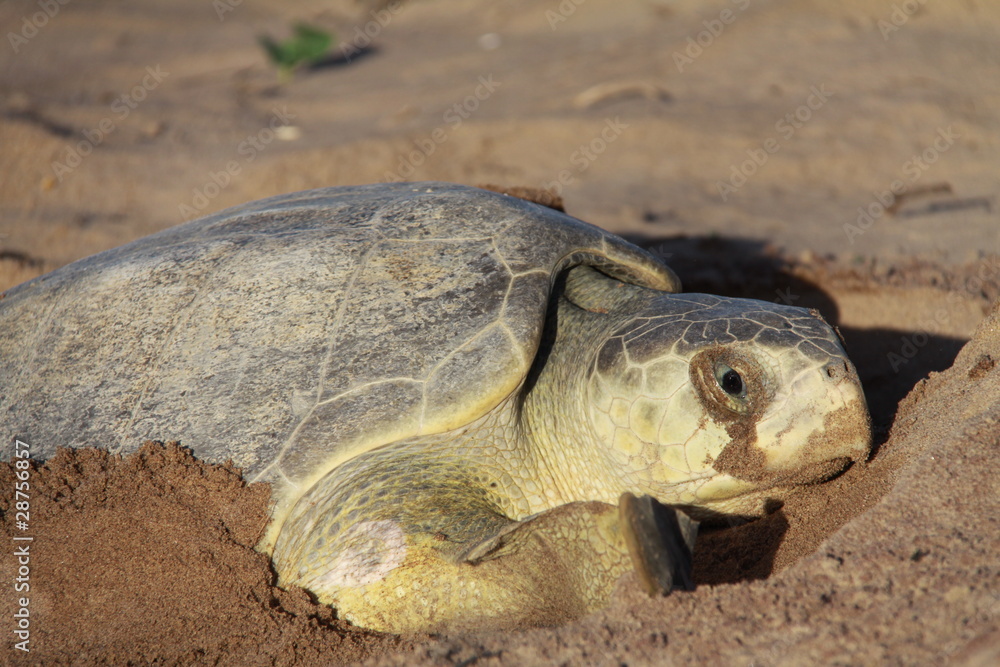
(460, 398)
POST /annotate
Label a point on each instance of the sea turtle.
(448, 388)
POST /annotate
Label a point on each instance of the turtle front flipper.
(660, 539)
(547, 570)
(429, 551)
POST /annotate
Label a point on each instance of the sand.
(150, 558)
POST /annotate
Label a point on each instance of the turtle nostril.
(836, 370)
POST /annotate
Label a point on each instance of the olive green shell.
(293, 332)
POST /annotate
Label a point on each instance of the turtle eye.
(730, 381)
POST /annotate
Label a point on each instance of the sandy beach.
(838, 156)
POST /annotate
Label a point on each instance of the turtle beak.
(854, 418)
(831, 429)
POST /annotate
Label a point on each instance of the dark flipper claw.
(660, 539)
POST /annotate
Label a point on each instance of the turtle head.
(720, 403)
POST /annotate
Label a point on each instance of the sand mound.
(149, 558)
